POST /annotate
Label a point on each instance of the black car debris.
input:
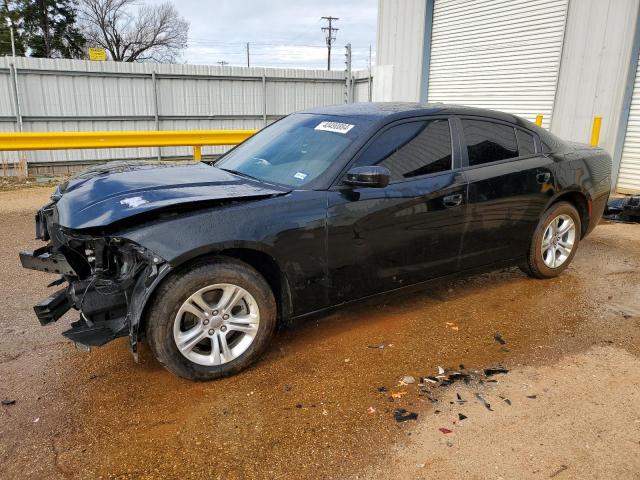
(321, 208)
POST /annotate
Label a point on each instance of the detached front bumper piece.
(45, 261)
(52, 308)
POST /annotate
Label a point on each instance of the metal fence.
(45, 95)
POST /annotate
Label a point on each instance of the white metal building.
(569, 60)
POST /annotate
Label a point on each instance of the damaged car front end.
(108, 280)
(107, 276)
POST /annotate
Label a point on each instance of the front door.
(384, 238)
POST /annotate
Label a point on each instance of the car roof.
(397, 110)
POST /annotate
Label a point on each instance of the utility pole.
(248, 65)
(370, 72)
(329, 36)
(13, 45)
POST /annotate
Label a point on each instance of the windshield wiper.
(241, 174)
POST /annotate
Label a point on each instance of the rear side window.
(526, 145)
(411, 149)
(488, 141)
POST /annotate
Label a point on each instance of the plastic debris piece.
(401, 415)
(532, 396)
(8, 402)
(440, 371)
(460, 399)
(499, 339)
(461, 416)
(375, 347)
(371, 410)
(495, 371)
(558, 471)
(507, 401)
(431, 379)
(436, 411)
(445, 430)
(484, 402)
(408, 379)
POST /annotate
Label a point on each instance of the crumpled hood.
(109, 193)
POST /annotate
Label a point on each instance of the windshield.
(293, 151)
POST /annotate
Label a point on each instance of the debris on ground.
(461, 416)
(532, 396)
(382, 389)
(558, 471)
(402, 415)
(371, 410)
(408, 380)
(498, 338)
(452, 326)
(460, 399)
(445, 430)
(398, 395)
(495, 371)
(8, 402)
(375, 347)
(505, 400)
(484, 402)
(625, 209)
(440, 371)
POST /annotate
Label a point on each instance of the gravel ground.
(312, 408)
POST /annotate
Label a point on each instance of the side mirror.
(375, 177)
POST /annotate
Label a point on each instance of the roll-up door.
(503, 55)
(629, 174)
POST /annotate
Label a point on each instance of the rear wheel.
(211, 321)
(554, 242)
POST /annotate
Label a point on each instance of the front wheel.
(212, 320)
(554, 242)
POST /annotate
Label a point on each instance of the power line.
(329, 37)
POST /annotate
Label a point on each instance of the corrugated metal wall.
(503, 55)
(629, 175)
(73, 95)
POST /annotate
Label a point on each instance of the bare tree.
(157, 33)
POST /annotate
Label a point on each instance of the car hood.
(116, 191)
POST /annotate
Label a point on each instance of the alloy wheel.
(216, 324)
(558, 240)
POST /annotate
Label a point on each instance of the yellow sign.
(97, 54)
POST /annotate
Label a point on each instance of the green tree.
(49, 28)
(10, 17)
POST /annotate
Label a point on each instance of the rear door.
(510, 183)
(407, 232)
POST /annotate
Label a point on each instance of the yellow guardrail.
(78, 140)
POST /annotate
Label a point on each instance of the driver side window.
(411, 149)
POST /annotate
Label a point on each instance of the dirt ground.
(313, 407)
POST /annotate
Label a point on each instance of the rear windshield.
(295, 150)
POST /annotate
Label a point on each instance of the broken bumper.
(45, 261)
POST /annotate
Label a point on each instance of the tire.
(553, 261)
(190, 307)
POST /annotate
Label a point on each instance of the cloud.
(280, 32)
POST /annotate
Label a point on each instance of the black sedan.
(321, 208)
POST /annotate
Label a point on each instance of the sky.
(281, 33)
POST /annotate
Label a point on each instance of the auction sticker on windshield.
(335, 127)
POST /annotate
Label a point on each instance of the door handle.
(452, 200)
(543, 177)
